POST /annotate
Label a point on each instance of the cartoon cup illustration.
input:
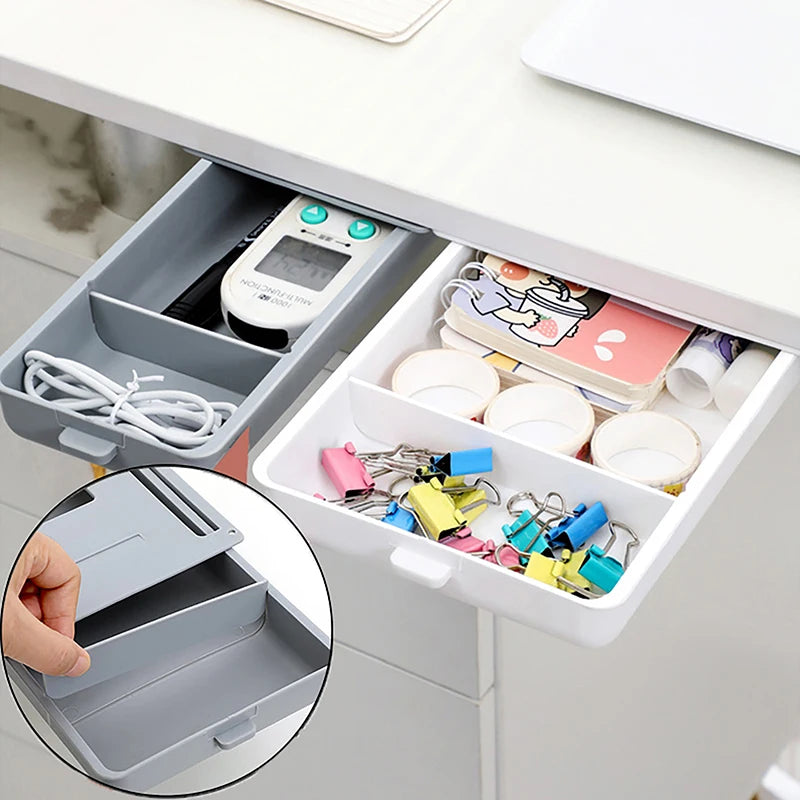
(559, 313)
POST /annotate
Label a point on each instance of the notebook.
(513, 373)
(391, 21)
(581, 335)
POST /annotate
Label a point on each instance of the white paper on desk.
(388, 20)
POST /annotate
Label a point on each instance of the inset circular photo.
(166, 630)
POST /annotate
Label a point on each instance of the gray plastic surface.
(156, 572)
(140, 528)
(146, 725)
(218, 595)
(110, 319)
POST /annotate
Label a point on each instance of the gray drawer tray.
(140, 728)
(110, 320)
(157, 572)
(192, 651)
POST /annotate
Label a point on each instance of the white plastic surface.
(741, 377)
(450, 130)
(353, 405)
(728, 65)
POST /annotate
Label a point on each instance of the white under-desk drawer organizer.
(356, 405)
(111, 320)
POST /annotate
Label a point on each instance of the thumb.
(42, 648)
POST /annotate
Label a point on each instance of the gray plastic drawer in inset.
(111, 320)
(151, 723)
(157, 572)
(192, 651)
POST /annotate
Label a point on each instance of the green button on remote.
(313, 215)
(361, 229)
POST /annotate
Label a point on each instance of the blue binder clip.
(399, 517)
(524, 535)
(601, 569)
(465, 462)
(574, 531)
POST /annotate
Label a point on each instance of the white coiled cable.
(170, 416)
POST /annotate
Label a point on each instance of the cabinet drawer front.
(367, 413)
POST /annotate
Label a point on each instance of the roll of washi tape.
(449, 380)
(648, 447)
(551, 417)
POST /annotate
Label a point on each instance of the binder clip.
(464, 462)
(435, 509)
(464, 541)
(373, 504)
(347, 472)
(601, 569)
(549, 509)
(472, 500)
(581, 523)
(526, 533)
(430, 472)
(559, 573)
(525, 536)
(405, 459)
(502, 554)
(399, 517)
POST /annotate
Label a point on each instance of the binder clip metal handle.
(550, 509)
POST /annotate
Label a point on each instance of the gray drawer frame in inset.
(184, 667)
(111, 320)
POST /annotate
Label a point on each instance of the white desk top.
(449, 130)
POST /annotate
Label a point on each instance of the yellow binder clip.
(471, 503)
(561, 573)
(435, 510)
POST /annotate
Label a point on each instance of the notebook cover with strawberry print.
(549, 319)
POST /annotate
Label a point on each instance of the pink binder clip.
(464, 541)
(504, 554)
(346, 471)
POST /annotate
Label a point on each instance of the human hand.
(39, 610)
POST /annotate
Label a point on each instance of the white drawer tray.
(355, 405)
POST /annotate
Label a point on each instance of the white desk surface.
(450, 130)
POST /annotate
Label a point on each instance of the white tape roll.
(550, 417)
(453, 381)
(648, 447)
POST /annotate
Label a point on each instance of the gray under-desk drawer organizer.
(111, 320)
(192, 651)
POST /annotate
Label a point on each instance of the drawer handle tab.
(419, 568)
(237, 735)
(84, 445)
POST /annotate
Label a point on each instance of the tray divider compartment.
(373, 418)
(379, 412)
(218, 595)
(186, 349)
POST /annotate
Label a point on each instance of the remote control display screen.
(303, 263)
